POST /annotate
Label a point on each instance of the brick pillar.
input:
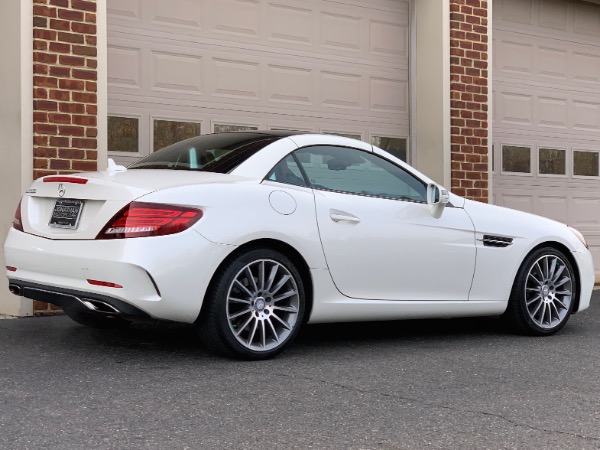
(65, 105)
(469, 98)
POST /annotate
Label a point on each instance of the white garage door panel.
(208, 75)
(369, 31)
(322, 65)
(547, 96)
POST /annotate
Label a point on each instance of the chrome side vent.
(490, 240)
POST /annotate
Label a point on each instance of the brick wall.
(64, 90)
(469, 98)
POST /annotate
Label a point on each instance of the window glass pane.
(224, 128)
(287, 171)
(348, 135)
(219, 153)
(395, 146)
(516, 159)
(123, 134)
(585, 164)
(167, 132)
(354, 171)
(552, 161)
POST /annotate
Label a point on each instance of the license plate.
(66, 213)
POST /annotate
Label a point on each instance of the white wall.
(102, 84)
(431, 89)
(16, 127)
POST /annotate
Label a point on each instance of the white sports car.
(249, 235)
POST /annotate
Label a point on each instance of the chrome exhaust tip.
(99, 306)
(15, 289)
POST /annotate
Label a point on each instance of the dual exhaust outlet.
(97, 306)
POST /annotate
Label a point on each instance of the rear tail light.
(140, 219)
(17, 221)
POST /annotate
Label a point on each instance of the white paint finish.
(527, 231)
(178, 13)
(235, 78)
(177, 72)
(128, 9)
(291, 85)
(547, 91)
(388, 95)
(553, 112)
(554, 14)
(136, 260)
(318, 65)
(440, 248)
(382, 246)
(432, 79)
(16, 127)
(340, 90)
(282, 202)
(235, 17)
(586, 19)
(124, 66)
(102, 83)
(341, 31)
(290, 23)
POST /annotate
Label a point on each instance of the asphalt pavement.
(435, 384)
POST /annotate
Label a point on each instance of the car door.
(378, 234)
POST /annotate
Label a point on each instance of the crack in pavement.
(441, 406)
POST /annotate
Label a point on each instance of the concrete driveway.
(419, 384)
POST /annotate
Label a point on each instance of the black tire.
(246, 319)
(97, 321)
(543, 294)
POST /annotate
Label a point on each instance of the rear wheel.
(543, 294)
(255, 306)
(96, 321)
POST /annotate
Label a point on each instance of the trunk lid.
(80, 205)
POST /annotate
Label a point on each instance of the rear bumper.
(162, 277)
(75, 300)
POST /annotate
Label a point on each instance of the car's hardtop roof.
(257, 133)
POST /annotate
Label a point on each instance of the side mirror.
(437, 198)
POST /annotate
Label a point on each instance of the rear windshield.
(220, 153)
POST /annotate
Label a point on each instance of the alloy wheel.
(548, 291)
(262, 305)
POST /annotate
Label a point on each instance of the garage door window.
(396, 146)
(167, 132)
(585, 164)
(123, 134)
(552, 161)
(224, 127)
(516, 159)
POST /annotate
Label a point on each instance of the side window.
(287, 171)
(359, 172)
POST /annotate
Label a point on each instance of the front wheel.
(255, 306)
(543, 293)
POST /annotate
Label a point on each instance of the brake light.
(104, 283)
(75, 180)
(139, 219)
(11, 268)
(17, 221)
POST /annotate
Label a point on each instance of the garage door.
(546, 138)
(179, 68)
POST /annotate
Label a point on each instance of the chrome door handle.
(343, 217)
